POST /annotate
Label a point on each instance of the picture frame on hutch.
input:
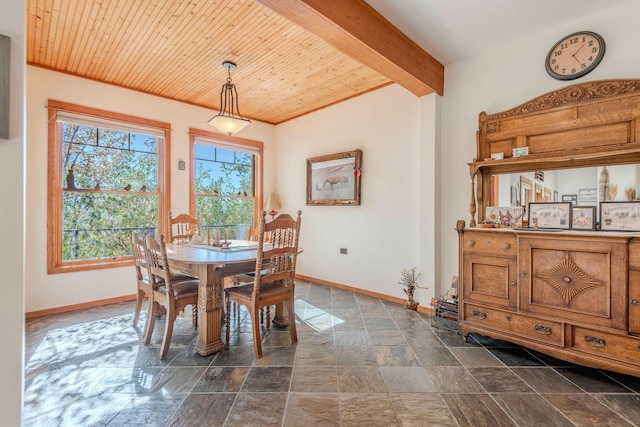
(334, 179)
(550, 215)
(620, 216)
(583, 218)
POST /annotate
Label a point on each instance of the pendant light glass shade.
(229, 120)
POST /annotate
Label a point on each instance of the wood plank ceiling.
(175, 48)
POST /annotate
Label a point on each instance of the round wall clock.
(575, 55)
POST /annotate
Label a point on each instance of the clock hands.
(574, 54)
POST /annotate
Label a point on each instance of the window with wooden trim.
(226, 184)
(107, 177)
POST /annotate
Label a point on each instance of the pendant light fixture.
(229, 120)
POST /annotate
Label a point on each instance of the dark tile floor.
(359, 361)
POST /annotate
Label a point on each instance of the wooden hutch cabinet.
(574, 295)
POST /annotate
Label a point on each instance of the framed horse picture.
(334, 179)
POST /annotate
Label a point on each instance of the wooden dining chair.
(142, 275)
(273, 280)
(174, 296)
(182, 227)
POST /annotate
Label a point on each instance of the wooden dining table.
(211, 265)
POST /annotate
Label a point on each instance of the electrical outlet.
(343, 251)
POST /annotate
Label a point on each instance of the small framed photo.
(506, 216)
(572, 198)
(550, 215)
(497, 156)
(587, 196)
(520, 151)
(583, 218)
(620, 216)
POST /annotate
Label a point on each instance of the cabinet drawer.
(516, 324)
(614, 346)
(490, 243)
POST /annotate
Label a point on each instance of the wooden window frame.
(233, 140)
(55, 263)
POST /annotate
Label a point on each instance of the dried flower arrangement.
(409, 280)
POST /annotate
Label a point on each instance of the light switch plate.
(181, 165)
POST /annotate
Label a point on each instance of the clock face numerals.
(575, 55)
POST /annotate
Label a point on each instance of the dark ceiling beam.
(359, 31)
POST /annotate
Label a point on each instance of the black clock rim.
(581, 73)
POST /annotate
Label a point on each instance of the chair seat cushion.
(185, 288)
(266, 289)
(175, 277)
(179, 277)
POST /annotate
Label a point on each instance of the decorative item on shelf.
(229, 120)
(630, 194)
(520, 151)
(143, 188)
(506, 216)
(613, 191)
(272, 205)
(97, 187)
(603, 184)
(71, 183)
(128, 187)
(409, 280)
(497, 156)
(215, 193)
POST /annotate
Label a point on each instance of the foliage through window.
(108, 176)
(224, 186)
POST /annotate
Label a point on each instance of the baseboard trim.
(421, 309)
(91, 304)
(67, 308)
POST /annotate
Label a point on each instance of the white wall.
(12, 169)
(408, 145)
(507, 76)
(382, 235)
(57, 290)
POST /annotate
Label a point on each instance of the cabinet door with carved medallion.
(575, 278)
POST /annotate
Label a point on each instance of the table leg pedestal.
(210, 311)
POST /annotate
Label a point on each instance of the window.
(106, 178)
(226, 185)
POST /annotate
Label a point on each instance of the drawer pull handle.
(544, 330)
(595, 341)
(488, 242)
(479, 314)
(508, 317)
(634, 301)
(471, 243)
(514, 283)
(524, 274)
(507, 246)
